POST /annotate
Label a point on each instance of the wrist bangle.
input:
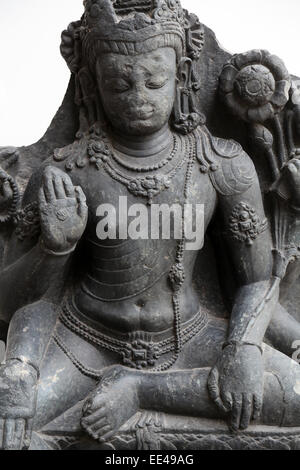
(56, 253)
(241, 343)
(24, 360)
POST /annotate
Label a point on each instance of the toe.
(106, 436)
(106, 428)
(94, 417)
(99, 424)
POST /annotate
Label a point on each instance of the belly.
(117, 271)
(127, 288)
(151, 311)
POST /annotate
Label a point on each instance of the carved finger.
(49, 187)
(9, 434)
(214, 390)
(227, 400)
(213, 384)
(236, 412)
(257, 407)
(247, 410)
(67, 39)
(69, 188)
(42, 197)
(28, 433)
(81, 200)
(59, 187)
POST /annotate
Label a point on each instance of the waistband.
(138, 349)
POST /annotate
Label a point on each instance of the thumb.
(214, 390)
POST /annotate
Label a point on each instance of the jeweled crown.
(133, 26)
(104, 13)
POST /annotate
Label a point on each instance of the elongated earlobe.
(186, 116)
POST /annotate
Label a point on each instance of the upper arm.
(246, 229)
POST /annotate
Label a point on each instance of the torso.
(125, 284)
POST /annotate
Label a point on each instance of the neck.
(142, 146)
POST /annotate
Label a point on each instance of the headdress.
(131, 27)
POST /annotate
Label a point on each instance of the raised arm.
(33, 266)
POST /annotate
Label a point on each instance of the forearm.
(28, 279)
(30, 331)
(252, 311)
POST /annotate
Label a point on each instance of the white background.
(33, 76)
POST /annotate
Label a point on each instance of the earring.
(186, 116)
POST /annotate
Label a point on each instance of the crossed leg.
(61, 384)
(122, 392)
(183, 390)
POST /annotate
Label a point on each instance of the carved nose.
(138, 100)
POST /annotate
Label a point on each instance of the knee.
(30, 329)
(282, 392)
(38, 314)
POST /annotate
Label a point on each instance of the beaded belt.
(139, 350)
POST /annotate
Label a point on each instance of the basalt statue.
(137, 342)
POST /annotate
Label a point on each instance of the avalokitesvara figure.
(122, 335)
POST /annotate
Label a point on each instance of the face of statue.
(138, 92)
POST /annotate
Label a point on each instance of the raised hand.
(63, 211)
(235, 384)
(18, 391)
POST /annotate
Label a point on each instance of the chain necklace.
(145, 186)
(177, 273)
(145, 169)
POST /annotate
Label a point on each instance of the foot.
(112, 404)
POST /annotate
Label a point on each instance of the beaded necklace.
(147, 186)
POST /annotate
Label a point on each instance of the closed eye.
(118, 86)
(156, 84)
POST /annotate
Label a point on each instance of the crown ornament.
(115, 10)
(133, 27)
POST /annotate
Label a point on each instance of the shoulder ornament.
(230, 169)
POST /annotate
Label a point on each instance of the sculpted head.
(141, 54)
(138, 92)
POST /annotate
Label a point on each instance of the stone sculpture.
(119, 342)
